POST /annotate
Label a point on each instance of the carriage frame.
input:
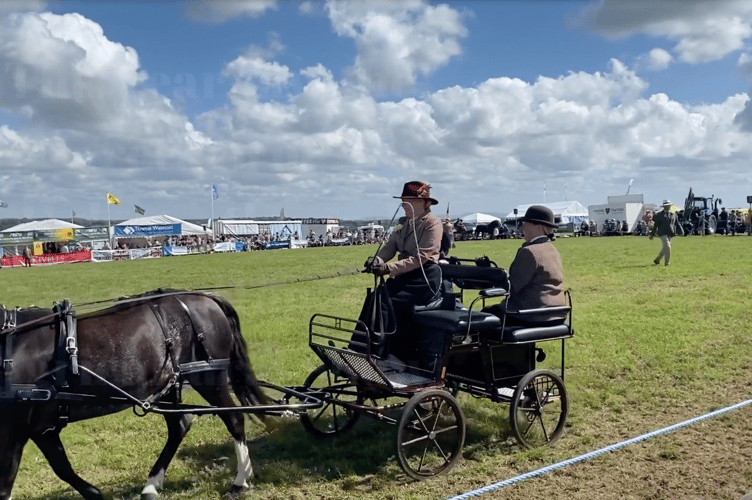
(483, 356)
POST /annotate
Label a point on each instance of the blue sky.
(327, 108)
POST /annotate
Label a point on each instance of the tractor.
(700, 214)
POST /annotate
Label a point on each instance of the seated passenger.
(536, 273)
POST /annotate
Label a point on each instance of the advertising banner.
(174, 250)
(65, 234)
(91, 233)
(48, 258)
(16, 238)
(144, 231)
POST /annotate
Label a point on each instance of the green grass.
(653, 345)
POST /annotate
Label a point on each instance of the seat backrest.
(475, 277)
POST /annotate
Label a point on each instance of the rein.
(127, 300)
(9, 316)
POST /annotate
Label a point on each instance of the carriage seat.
(457, 322)
(522, 334)
(532, 325)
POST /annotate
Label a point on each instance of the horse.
(493, 229)
(139, 348)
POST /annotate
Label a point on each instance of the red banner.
(48, 258)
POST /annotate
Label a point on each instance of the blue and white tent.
(158, 225)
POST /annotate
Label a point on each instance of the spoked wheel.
(538, 409)
(431, 434)
(332, 418)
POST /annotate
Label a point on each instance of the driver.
(415, 277)
(416, 240)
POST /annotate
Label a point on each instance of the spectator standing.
(27, 256)
(666, 227)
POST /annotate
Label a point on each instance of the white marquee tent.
(569, 211)
(479, 218)
(42, 225)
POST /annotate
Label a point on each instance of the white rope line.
(596, 453)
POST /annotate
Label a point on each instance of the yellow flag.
(112, 200)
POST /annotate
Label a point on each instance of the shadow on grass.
(287, 456)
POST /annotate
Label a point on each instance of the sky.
(326, 108)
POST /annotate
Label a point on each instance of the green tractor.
(700, 214)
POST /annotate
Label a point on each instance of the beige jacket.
(415, 242)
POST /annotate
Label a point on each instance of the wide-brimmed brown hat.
(538, 214)
(417, 190)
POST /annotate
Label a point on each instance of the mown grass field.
(654, 345)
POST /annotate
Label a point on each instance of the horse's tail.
(244, 382)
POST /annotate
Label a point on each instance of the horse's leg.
(50, 445)
(177, 427)
(219, 395)
(12, 442)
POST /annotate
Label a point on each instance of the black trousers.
(407, 291)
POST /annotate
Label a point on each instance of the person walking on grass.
(666, 227)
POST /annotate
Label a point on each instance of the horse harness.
(65, 366)
(208, 364)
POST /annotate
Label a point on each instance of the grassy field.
(654, 345)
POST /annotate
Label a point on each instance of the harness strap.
(169, 342)
(67, 353)
(200, 336)
(10, 319)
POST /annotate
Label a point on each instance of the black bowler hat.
(417, 190)
(538, 214)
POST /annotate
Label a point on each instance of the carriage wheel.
(332, 418)
(538, 409)
(431, 434)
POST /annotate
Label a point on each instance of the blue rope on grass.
(596, 453)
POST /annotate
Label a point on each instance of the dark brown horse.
(493, 230)
(59, 370)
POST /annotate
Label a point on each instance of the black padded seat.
(524, 334)
(457, 321)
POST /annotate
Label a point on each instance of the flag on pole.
(111, 200)
(139, 210)
(215, 193)
(3, 204)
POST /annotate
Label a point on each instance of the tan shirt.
(415, 244)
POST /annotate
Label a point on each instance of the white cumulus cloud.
(659, 59)
(703, 30)
(398, 41)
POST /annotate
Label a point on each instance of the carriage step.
(506, 392)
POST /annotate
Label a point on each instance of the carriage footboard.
(332, 338)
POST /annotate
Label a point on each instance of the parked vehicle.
(700, 214)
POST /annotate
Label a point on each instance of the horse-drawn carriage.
(141, 352)
(482, 354)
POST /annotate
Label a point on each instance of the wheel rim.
(332, 418)
(431, 434)
(539, 409)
